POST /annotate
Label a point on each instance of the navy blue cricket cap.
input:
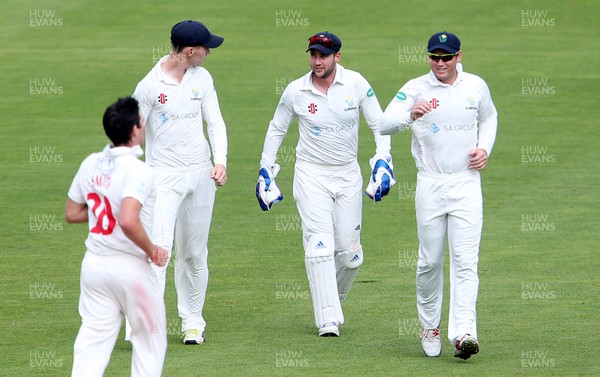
(194, 33)
(444, 41)
(325, 42)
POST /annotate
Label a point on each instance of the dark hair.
(177, 48)
(120, 118)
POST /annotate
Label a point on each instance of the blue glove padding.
(267, 191)
(382, 178)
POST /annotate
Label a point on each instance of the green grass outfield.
(63, 62)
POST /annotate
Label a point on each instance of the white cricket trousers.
(113, 287)
(182, 217)
(449, 207)
(329, 201)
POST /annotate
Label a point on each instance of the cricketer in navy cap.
(194, 33)
(325, 42)
(444, 41)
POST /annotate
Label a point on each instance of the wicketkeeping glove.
(267, 191)
(382, 178)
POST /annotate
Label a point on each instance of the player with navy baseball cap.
(325, 42)
(454, 122)
(194, 33)
(444, 41)
(179, 99)
(327, 103)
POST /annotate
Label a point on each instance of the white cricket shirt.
(174, 115)
(103, 180)
(328, 123)
(463, 117)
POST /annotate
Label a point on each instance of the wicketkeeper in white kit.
(114, 192)
(327, 186)
(177, 96)
(453, 122)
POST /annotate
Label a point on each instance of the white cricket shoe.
(329, 329)
(430, 340)
(193, 336)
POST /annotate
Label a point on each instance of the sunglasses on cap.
(445, 57)
(321, 40)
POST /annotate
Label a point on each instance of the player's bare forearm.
(76, 212)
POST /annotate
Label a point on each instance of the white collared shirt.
(463, 117)
(174, 115)
(103, 180)
(328, 123)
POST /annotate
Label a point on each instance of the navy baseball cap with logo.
(444, 41)
(325, 42)
(194, 33)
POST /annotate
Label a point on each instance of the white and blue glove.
(267, 191)
(382, 178)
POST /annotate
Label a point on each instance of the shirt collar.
(157, 73)
(114, 152)
(339, 78)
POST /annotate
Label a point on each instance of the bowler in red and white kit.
(453, 122)
(114, 192)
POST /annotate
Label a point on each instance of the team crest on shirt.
(312, 108)
(349, 104)
(471, 101)
(162, 98)
(435, 103)
(195, 94)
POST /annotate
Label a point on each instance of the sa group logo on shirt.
(316, 130)
(401, 96)
(434, 128)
